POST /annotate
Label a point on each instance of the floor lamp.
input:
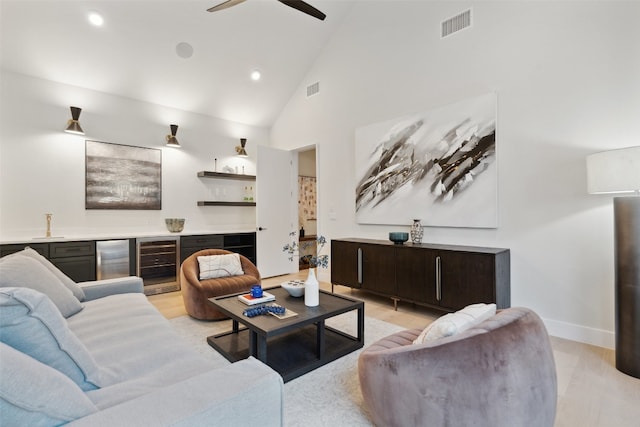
(618, 171)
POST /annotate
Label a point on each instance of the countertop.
(63, 237)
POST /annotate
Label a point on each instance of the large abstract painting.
(438, 166)
(122, 177)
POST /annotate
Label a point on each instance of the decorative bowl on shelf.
(174, 225)
(398, 237)
(294, 287)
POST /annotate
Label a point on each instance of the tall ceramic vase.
(416, 231)
(311, 290)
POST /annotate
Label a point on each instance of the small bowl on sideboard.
(398, 237)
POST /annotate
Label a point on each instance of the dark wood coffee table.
(292, 346)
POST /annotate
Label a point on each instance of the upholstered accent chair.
(500, 372)
(195, 292)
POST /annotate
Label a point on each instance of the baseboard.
(580, 333)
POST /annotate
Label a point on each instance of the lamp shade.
(240, 148)
(615, 171)
(172, 141)
(73, 125)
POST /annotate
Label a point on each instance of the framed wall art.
(438, 166)
(122, 177)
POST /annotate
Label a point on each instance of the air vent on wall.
(313, 89)
(457, 23)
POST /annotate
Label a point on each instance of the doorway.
(307, 206)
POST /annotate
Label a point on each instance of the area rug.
(329, 395)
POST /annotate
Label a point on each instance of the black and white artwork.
(438, 166)
(122, 177)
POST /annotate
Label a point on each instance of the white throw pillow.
(213, 266)
(455, 323)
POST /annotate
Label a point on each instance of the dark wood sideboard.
(444, 277)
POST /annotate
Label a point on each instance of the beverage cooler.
(113, 259)
(158, 264)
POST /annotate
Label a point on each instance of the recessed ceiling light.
(96, 19)
(255, 75)
(184, 50)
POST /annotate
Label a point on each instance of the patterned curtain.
(306, 199)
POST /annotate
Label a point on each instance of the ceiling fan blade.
(224, 5)
(304, 7)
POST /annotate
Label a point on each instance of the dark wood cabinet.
(378, 269)
(445, 277)
(415, 275)
(345, 263)
(242, 243)
(41, 248)
(79, 269)
(75, 259)
(192, 244)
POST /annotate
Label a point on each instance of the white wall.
(567, 77)
(307, 163)
(42, 169)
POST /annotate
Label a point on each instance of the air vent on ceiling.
(457, 23)
(313, 89)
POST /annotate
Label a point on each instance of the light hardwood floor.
(591, 392)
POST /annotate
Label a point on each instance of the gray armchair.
(499, 373)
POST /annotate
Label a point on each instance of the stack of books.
(249, 300)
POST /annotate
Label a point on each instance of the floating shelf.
(217, 203)
(241, 177)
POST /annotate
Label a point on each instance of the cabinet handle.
(359, 266)
(438, 279)
(72, 249)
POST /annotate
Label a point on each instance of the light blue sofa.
(99, 354)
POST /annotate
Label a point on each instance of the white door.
(276, 209)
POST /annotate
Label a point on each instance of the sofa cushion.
(31, 324)
(136, 345)
(24, 271)
(127, 336)
(66, 280)
(213, 266)
(32, 393)
(454, 323)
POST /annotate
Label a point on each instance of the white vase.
(311, 290)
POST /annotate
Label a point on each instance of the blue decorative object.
(264, 309)
(256, 291)
(398, 237)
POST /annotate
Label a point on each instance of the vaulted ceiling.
(136, 52)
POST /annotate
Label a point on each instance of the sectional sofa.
(99, 354)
